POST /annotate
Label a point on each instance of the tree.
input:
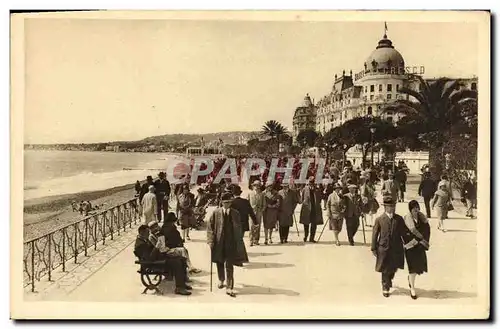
(307, 138)
(275, 131)
(437, 107)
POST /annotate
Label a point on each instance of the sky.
(107, 80)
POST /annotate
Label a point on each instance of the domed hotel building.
(366, 93)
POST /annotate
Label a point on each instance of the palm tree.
(438, 107)
(274, 130)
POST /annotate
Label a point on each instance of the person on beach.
(162, 188)
(225, 238)
(311, 214)
(387, 245)
(257, 202)
(335, 206)
(145, 250)
(244, 208)
(185, 204)
(416, 243)
(289, 201)
(148, 204)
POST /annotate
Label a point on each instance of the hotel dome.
(384, 57)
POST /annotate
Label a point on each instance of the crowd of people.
(351, 200)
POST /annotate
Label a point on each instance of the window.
(389, 87)
(473, 86)
(389, 96)
(379, 87)
(389, 119)
(364, 98)
(389, 112)
(397, 87)
(372, 88)
(366, 89)
(369, 112)
(371, 97)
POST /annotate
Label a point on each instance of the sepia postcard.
(250, 165)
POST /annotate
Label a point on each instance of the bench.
(152, 274)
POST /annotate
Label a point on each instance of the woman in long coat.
(416, 243)
(310, 212)
(369, 203)
(271, 212)
(335, 206)
(185, 204)
(441, 201)
(289, 202)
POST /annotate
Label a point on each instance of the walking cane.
(363, 226)
(327, 222)
(296, 226)
(211, 269)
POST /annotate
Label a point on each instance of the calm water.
(58, 172)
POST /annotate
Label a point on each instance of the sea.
(51, 173)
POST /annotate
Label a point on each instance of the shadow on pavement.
(462, 230)
(258, 254)
(260, 265)
(248, 289)
(444, 294)
(288, 244)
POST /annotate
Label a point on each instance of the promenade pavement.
(294, 272)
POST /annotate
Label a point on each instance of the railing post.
(76, 226)
(125, 212)
(104, 228)
(86, 236)
(33, 266)
(116, 215)
(50, 257)
(64, 250)
(111, 226)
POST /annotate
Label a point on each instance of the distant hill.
(231, 137)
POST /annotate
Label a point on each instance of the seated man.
(145, 250)
(173, 241)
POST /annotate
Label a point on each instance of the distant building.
(304, 118)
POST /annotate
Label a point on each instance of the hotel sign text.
(393, 70)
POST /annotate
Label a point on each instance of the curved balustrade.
(44, 254)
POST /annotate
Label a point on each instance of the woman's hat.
(311, 179)
(170, 218)
(337, 186)
(388, 201)
(441, 183)
(257, 183)
(152, 224)
(237, 190)
(352, 186)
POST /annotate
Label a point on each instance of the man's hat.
(257, 183)
(200, 190)
(227, 197)
(237, 190)
(388, 200)
(352, 186)
(149, 177)
(161, 174)
(170, 218)
(337, 186)
(311, 179)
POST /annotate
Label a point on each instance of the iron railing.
(44, 254)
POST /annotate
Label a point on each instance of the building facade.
(366, 93)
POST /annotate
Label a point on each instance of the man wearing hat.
(289, 201)
(352, 212)
(257, 202)
(148, 204)
(162, 187)
(311, 214)
(145, 187)
(335, 206)
(387, 245)
(225, 238)
(244, 208)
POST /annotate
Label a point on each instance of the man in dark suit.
(145, 187)
(387, 245)
(225, 238)
(146, 251)
(244, 208)
(426, 189)
(162, 189)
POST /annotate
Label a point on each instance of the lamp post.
(372, 132)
